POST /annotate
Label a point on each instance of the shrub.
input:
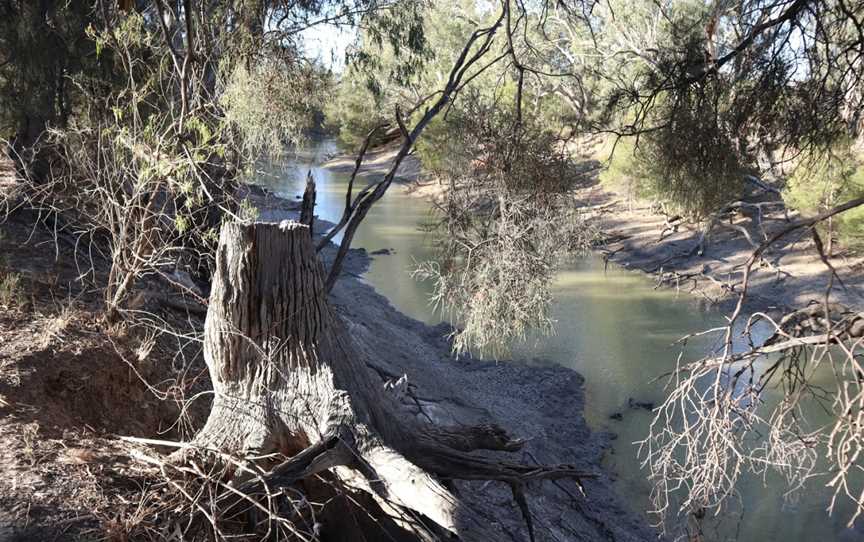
(506, 221)
(272, 104)
(691, 159)
(822, 181)
(625, 170)
(354, 111)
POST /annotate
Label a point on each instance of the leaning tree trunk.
(287, 379)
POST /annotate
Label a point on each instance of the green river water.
(612, 326)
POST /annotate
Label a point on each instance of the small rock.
(383, 252)
(617, 417)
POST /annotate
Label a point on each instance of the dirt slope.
(69, 386)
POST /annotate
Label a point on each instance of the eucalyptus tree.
(714, 96)
(132, 122)
(182, 97)
(711, 98)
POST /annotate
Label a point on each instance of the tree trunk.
(287, 379)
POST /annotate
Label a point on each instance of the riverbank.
(682, 256)
(543, 405)
(376, 163)
(635, 235)
(70, 385)
(617, 328)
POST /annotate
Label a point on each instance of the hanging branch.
(349, 204)
(364, 201)
(721, 417)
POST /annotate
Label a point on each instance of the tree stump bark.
(287, 379)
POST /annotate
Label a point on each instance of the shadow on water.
(612, 326)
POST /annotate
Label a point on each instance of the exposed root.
(293, 404)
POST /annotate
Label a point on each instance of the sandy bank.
(790, 275)
(377, 162)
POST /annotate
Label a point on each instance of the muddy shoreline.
(711, 268)
(543, 405)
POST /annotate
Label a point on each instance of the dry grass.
(11, 291)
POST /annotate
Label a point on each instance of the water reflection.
(612, 326)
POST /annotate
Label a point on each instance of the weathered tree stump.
(287, 379)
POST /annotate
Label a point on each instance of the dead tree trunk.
(307, 209)
(287, 379)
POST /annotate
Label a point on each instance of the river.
(612, 326)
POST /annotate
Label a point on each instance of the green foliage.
(440, 152)
(136, 164)
(392, 55)
(690, 141)
(625, 170)
(695, 175)
(693, 166)
(271, 104)
(384, 76)
(354, 112)
(506, 221)
(823, 181)
(247, 212)
(394, 46)
(692, 160)
(41, 45)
